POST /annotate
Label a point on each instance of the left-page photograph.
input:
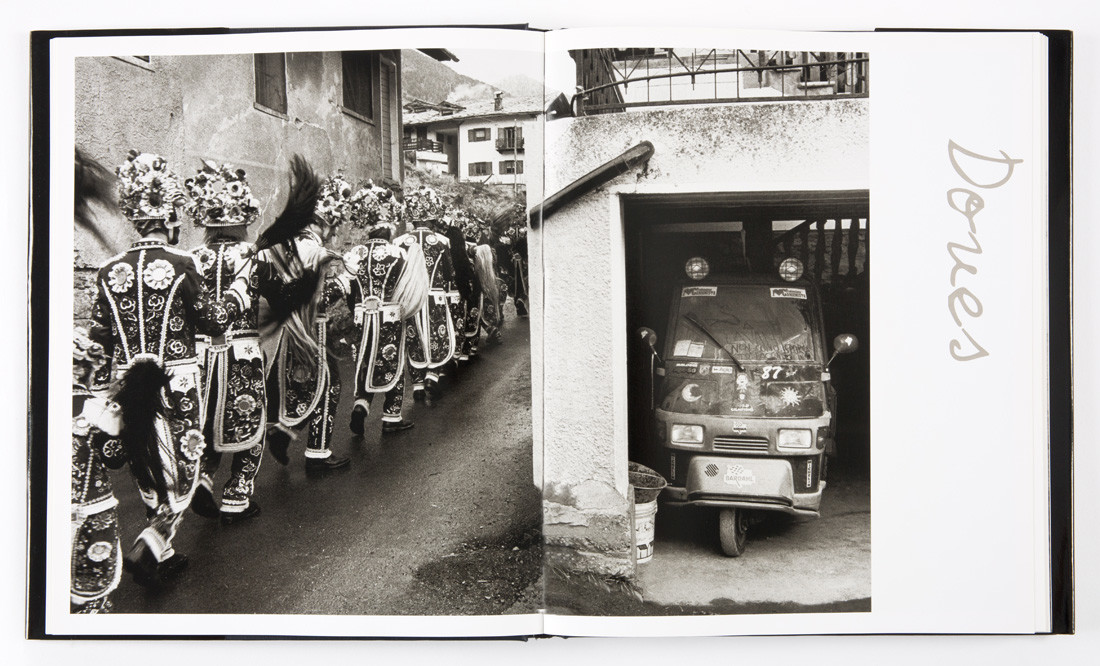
(291, 269)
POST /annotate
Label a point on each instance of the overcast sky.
(491, 66)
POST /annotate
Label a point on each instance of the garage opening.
(747, 234)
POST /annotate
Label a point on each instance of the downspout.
(590, 181)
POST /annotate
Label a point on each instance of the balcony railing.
(424, 145)
(506, 145)
(615, 80)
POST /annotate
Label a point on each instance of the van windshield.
(753, 322)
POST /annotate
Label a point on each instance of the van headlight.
(793, 439)
(688, 435)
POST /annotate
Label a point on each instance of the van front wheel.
(733, 528)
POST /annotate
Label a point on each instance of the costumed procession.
(214, 357)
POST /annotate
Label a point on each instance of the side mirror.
(845, 343)
(649, 337)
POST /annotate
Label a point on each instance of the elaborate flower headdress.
(472, 229)
(423, 205)
(455, 217)
(334, 205)
(148, 190)
(220, 197)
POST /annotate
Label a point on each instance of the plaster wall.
(580, 278)
(189, 108)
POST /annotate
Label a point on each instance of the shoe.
(398, 426)
(358, 415)
(140, 563)
(418, 395)
(203, 502)
(432, 393)
(325, 465)
(147, 572)
(278, 441)
(251, 511)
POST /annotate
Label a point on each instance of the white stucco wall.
(486, 151)
(818, 145)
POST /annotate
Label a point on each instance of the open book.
(695, 408)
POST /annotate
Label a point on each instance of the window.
(481, 134)
(481, 168)
(360, 74)
(271, 81)
(510, 135)
(510, 166)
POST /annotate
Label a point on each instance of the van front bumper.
(744, 483)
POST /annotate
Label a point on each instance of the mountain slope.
(425, 78)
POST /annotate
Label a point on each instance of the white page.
(958, 466)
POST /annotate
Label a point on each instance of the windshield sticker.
(788, 292)
(688, 367)
(689, 348)
(690, 292)
(722, 369)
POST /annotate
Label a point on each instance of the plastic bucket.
(645, 515)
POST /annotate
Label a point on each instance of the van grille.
(741, 444)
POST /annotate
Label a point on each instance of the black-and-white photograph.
(301, 354)
(536, 333)
(734, 186)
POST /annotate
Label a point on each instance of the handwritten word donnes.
(996, 171)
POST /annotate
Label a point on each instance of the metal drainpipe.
(590, 181)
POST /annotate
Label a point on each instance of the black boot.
(278, 441)
(203, 502)
(321, 466)
(395, 426)
(358, 415)
(251, 511)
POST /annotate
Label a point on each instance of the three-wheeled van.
(744, 407)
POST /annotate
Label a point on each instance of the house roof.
(512, 106)
(442, 55)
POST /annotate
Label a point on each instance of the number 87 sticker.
(770, 372)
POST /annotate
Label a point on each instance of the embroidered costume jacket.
(430, 333)
(96, 556)
(373, 272)
(302, 374)
(233, 364)
(151, 304)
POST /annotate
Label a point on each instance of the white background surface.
(806, 15)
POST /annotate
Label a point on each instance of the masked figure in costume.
(96, 553)
(149, 308)
(467, 286)
(304, 382)
(430, 334)
(233, 386)
(519, 273)
(385, 285)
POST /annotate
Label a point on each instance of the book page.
(369, 526)
(712, 158)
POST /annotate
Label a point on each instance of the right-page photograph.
(714, 201)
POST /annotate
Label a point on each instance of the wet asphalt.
(439, 519)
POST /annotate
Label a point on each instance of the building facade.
(339, 110)
(487, 142)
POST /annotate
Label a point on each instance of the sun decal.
(790, 397)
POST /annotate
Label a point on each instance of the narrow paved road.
(440, 519)
(788, 562)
